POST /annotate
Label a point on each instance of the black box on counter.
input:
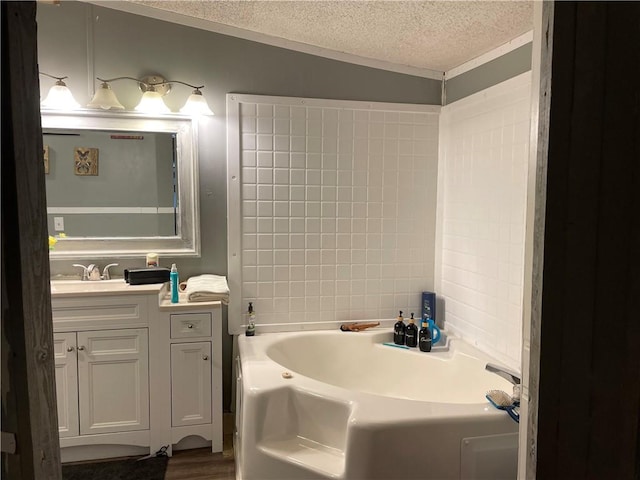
(145, 276)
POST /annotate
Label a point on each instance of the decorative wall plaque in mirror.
(121, 185)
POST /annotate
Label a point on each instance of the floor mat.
(128, 469)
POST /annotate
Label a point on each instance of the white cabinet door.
(66, 360)
(190, 383)
(113, 380)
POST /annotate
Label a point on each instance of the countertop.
(183, 304)
(79, 288)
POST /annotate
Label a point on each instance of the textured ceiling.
(436, 35)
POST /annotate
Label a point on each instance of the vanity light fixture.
(196, 104)
(154, 87)
(151, 102)
(105, 99)
(59, 96)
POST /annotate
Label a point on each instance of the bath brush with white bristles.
(503, 401)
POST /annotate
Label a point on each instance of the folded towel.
(206, 288)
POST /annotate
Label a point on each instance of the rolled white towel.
(207, 288)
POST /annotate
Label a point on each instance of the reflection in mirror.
(111, 184)
(121, 184)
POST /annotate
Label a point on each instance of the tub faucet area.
(504, 372)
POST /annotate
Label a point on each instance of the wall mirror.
(121, 185)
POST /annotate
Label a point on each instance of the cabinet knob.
(205, 357)
(70, 349)
(189, 325)
(81, 348)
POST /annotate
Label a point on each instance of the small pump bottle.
(173, 279)
(399, 330)
(411, 335)
(424, 337)
(251, 325)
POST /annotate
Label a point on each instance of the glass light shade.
(196, 104)
(60, 98)
(105, 99)
(151, 102)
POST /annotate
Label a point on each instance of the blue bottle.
(173, 279)
(433, 328)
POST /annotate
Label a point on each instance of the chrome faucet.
(85, 271)
(504, 372)
(105, 272)
(92, 272)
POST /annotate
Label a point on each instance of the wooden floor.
(195, 464)
(201, 464)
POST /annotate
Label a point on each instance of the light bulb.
(196, 104)
(151, 102)
(60, 98)
(105, 99)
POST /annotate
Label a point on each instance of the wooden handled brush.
(356, 327)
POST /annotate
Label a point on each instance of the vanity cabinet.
(101, 344)
(134, 372)
(102, 381)
(192, 333)
(66, 360)
(190, 384)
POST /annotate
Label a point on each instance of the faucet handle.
(85, 271)
(105, 272)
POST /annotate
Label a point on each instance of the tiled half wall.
(331, 209)
(484, 150)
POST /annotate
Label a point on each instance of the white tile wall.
(338, 209)
(483, 179)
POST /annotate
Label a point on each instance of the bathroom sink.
(69, 288)
(73, 286)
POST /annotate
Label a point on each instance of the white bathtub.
(331, 404)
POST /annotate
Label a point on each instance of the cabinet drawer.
(185, 325)
(99, 312)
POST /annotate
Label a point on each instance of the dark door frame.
(584, 378)
(29, 412)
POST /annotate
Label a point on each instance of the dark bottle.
(398, 330)
(424, 337)
(411, 334)
(251, 325)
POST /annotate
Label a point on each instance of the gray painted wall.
(74, 36)
(114, 225)
(488, 74)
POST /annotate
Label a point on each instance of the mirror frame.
(187, 242)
